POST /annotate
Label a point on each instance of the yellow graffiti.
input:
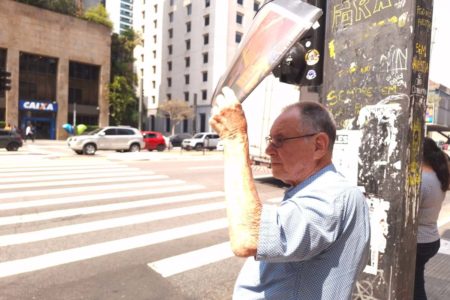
(349, 12)
(354, 69)
(414, 170)
(424, 12)
(331, 49)
(334, 96)
(421, 50)
(419, 65)
(365, 69)
(424, 23)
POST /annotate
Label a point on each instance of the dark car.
(154, 140)
(176, 139)
(12, 141)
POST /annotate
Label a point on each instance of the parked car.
(119, 138)
(207, 140)
(12, 141)
(220, 146)
(154, 140)
(177, 139)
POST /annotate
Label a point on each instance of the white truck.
(261, 108)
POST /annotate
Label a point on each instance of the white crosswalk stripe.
(56, 201)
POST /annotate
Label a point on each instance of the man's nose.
(270, 149)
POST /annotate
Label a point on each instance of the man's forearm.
(243, 204)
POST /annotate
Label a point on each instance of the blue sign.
(38, 105)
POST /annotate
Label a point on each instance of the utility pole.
(141, 98)
(74, 118)
(375, 84)
(194, 127)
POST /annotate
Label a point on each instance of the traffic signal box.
(303, 65)
(5, 81)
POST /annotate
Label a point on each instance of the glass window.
(204, 95)
(239, 18)
(170, 33)
(206, 19)
(207, 3)
(238, 37)
(188, 26)
(171, 17)
(155, 23)
(169, 82)
(124, 131)
(186, 79)
(189, 9)
(172, 2)
(156, 8)
(205, 57)
(205, 76)
(240, 2)
(83, 83)
(167, 123)
(188, 44)
(169, 49)
(186, 96)
(205, 39)
(111, 131)
(256, 6)
(169, 97)
(187, 61)
(169, 65)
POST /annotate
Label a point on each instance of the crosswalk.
(47, 205)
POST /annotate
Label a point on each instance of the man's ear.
(321, 145)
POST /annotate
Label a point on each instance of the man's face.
(293, 161)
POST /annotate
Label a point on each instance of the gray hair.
(315, 116)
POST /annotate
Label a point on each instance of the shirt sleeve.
(300, 228)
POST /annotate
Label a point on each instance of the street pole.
(74, 118)
(376, 62)
(141, 98)
(195, 114)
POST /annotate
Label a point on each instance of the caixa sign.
(38, 105)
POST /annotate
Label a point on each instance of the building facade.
(121, 14)
(187, 46)
(60, 69)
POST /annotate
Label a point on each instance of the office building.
(121, 14)
(59, 74)
(187, 46)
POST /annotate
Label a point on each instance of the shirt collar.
(293, 190)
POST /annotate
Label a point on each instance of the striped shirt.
(312, 246)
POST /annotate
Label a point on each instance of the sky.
(440, 49)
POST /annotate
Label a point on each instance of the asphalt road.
(116, 225)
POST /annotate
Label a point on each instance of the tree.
(98, 15)
(123, 99)
(177, 111)
(67, 7)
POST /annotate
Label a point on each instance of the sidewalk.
(437, 273)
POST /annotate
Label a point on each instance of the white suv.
(119, 138)
(201, 140)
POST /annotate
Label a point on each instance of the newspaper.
(275, 29)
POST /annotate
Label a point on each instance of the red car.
(154, 140)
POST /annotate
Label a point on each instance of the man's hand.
(228, 118)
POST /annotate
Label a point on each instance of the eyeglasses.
(278, 142)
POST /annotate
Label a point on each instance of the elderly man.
(315, 243)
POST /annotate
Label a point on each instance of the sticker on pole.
(311, 75)
(312, 57)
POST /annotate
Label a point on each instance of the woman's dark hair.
(437, 160)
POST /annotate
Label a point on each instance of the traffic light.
(5, 81)
(303, 64)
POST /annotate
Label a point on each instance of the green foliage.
(177, 110)
(2, 124)
(98, 15)
(67, 7)
(123, 100)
